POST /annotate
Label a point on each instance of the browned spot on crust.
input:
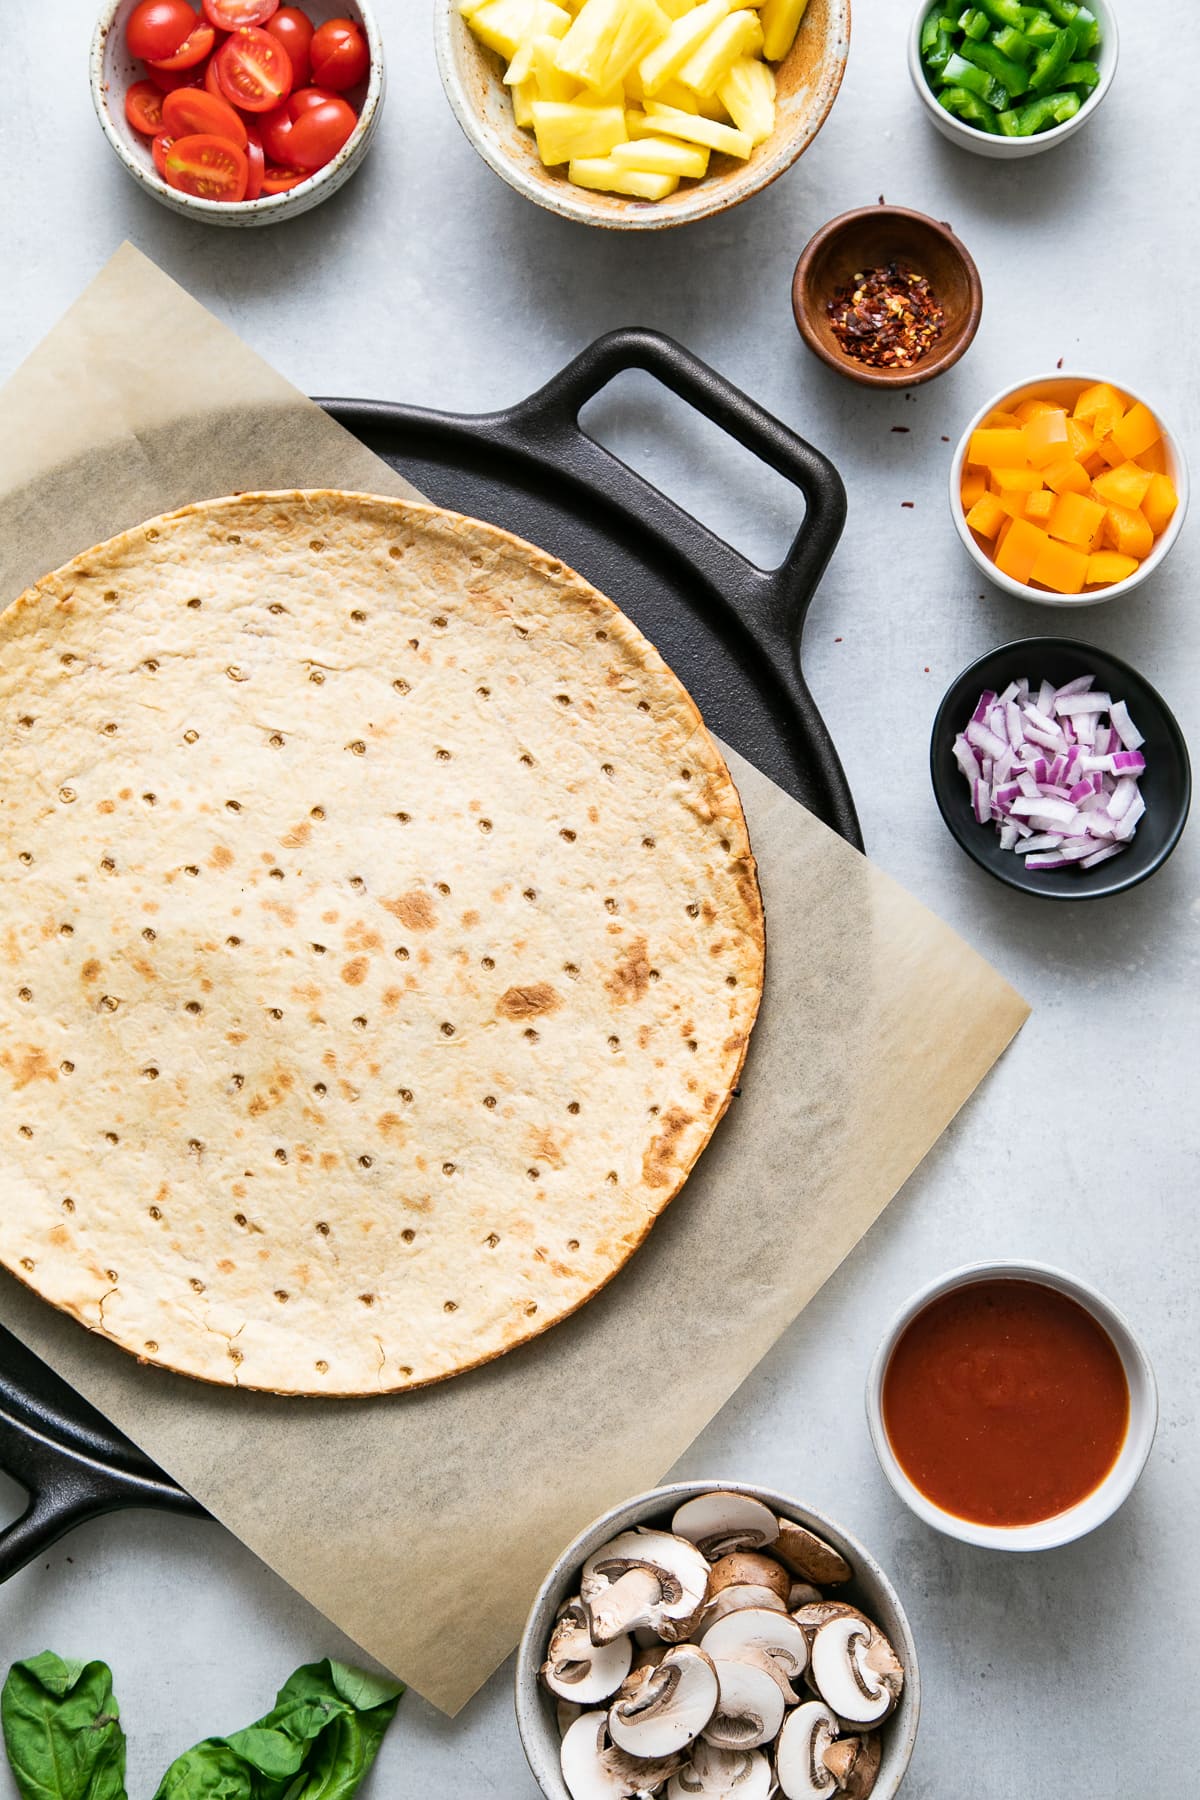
(328, 1159)
(28, 1064)
(221, 857)
(391, 1126)
(421, 1204)
(470, 918)
(656, 1163)
(359, 937)
(355, 971)
(285, 913)
(226, 1267)
(106, 806)
(90, 969)
(630, 977)
(298, 835)
(392, 997)
(528, 1002)
(544, 1146)
(414, 910)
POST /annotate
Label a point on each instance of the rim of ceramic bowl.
(532, 1716)
(703, 201)
(967, 135)
(1018, 390)
(1097, 1507)
(267, 206)
(935, 363)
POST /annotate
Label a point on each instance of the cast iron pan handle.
(770, 603)
(552, 413)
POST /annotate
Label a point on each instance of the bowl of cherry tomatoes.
(238, 112)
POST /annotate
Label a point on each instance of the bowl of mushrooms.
(715, 1641)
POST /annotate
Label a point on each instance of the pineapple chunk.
(683, 99)
(524, 93)
(608, 37)
(601, 172)
(695, 130)
(675, 9)
(552, 84)
(684, 37)
(521, 67)
(569, 130)
(780, 23)
(659, 156)
(503, 24)
(748, 96)
(737, 36)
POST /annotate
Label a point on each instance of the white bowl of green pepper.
(1005, 79)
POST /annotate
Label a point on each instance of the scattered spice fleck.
(945, 439)
(886, 317)
(903, 428)
(909, 504)
(927, 668)
(839, 640)
(882, 201)
(1059, 363)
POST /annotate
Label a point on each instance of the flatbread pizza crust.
(380, 941)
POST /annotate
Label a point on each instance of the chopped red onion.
(1057, 774)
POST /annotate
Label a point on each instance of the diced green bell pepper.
(1042, 30)
(1011, 42)
(1009, 122)
(969, 108)
(1012, 76)
(1047, 111)
(1088, 27)
(1048, 69)
(1004, 12)
(975, 24)
(1063, 12)
(961, 73)
(1082, 75)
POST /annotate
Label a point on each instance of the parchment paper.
(421, 1524)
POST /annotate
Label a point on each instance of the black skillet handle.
(60, 1495)
(770, 604)
(778, 597)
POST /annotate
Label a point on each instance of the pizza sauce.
(1005, 1402)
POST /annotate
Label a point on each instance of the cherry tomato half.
(158, 149)
(294, 30)
(210, 168)
(257, 161)
(319, 133)
(339, 54)
(212, 82)
(253, 70)
(189, 112)
(276, 126)
(167, 81)
(277, 179)
(193, 50)
(159, 27)
(143, 108)
(231, 15)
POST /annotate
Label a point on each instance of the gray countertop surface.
(427, 280)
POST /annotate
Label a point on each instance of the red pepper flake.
(909, 504)
(887, 317)
(945, 440)
(839, 640)
(1059, 363)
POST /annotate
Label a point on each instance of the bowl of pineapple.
(638, 114)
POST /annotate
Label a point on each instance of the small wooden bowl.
(870, 238)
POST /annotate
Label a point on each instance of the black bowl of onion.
(1060, 770)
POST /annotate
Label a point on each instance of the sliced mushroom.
(719, 1523)
(855, 1670)
(747, 1568)
(734, 1599)
(809, 1556)
(750, 1709)
(800, 1766)
(665, 1707)
(644, 1578)
(816, 1613)
(802, 1593)
(718, 1774)
(854, 1764)
(594, 1769)
(579, 1670)
(755, 1629)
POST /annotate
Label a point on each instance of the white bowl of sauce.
(1010, 1405)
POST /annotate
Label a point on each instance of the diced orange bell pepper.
(1077, 520)
(1011, 501)
(1110, 452)
(1000, 537)
(1155, 458)
(1001, 421)
(1039, 506)
(1046, 438)
(1106, 566)
(1102, 407)
(1081, 440)
(1129, 532)
(1060, 567)
(1021, 548)
(997, 449)
(1123, 486)
(974, 484)
(1067, 477)
(986, 516)
(1137, 431)
(1016, 481)
(1159, 503)
(1030, 409)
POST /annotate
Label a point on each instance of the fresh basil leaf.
(272, 1753)
(362, 1689)
(343, 1754)
(62, 1730)
(208, 1771)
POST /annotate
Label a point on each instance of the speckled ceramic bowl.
(870, 1589)
(113, 69)
(807, 80)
